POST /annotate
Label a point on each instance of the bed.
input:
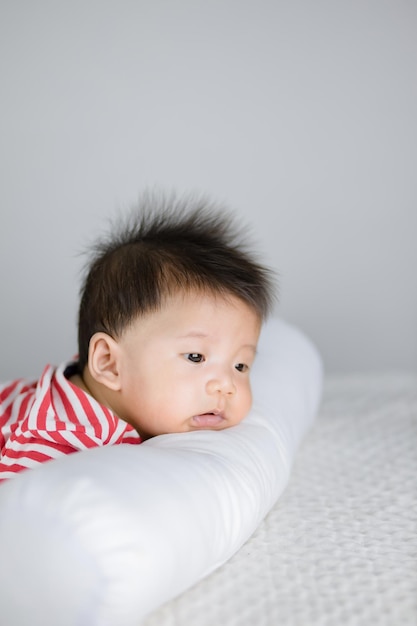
(284, 519)
(340, 545)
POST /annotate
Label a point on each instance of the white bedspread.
(340, 546)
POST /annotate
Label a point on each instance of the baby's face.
(187, 366)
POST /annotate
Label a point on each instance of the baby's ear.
(103, 359)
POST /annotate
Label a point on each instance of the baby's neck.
(85, 382)
(78, 381)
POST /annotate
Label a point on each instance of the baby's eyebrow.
(193, 333)
(196, 334)
(251, 346)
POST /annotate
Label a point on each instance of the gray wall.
(301, 115)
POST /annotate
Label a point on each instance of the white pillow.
(105, 536)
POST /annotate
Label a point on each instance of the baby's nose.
(221, 384)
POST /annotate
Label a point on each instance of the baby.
(170, 314)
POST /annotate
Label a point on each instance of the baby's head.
(170, 314)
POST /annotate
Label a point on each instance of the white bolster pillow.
(103, 537)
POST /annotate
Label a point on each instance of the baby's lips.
(208, 420)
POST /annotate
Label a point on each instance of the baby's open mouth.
(210, 419)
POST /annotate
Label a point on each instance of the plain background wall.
(300, 115)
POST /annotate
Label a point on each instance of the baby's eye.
(242, 367)
(195, 357)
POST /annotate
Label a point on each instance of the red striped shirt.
(45, 419)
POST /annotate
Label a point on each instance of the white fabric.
(103, 537)
(339, 548)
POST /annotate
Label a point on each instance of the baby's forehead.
(217, 301)
(200, 315)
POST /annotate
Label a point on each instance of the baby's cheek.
(246, 403)
(250, 397)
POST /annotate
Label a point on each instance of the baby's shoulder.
(14, 389)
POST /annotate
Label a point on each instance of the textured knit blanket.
(340, 546)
